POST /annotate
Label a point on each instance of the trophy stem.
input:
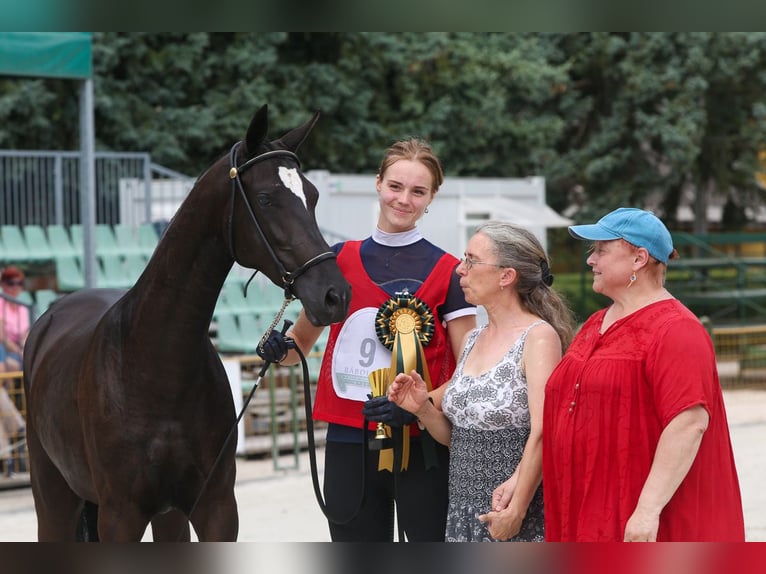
(380, 433)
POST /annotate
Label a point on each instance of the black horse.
(128, 404)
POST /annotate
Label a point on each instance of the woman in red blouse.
(636, 444)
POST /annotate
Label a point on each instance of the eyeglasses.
(469, 263)
(13, 282)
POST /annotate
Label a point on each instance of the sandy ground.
(278, 504)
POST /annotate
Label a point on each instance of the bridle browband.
(288, 277)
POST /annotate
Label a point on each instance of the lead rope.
(309, 429)
(313, 456)
(234, 427)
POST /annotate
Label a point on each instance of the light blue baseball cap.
(636, 226)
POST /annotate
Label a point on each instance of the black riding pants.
(421, 495)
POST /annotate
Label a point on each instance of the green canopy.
(46, 54)
(63, 55)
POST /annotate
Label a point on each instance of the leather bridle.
(288, 277)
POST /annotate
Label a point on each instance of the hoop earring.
(632, 279)
(426, 210)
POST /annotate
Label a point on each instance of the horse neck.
(180, 286)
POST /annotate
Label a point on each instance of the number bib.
(357, 353)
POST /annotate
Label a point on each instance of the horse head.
(273, 225)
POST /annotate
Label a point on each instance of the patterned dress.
(490, 427)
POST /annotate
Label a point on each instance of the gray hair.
(516, 247)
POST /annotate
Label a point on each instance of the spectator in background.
(14, 319)
(14, 326)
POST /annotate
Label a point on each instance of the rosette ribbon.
(404, 324)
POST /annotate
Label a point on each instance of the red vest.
(365, 293)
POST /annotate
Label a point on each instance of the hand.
(502, 495)
(408, 391)
(642, 526)
(275, 347)
(381, 410)
(502, 525)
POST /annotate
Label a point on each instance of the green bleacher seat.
(147, 238)
(269, 299)
(221, 308)
(60, 241)
(235, 299)
(135, 263)
(229, 337)
(126, 239)
(106, 243)
(43, 300)
(113, 274)
(15, 248)
(69, 273)
(77, 234)
(37, 243)
(251, 329)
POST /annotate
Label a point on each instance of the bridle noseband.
(288, 277)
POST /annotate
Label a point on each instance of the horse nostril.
(335, 298)
(332, 298)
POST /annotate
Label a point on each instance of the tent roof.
(518, 212)
(46, 54)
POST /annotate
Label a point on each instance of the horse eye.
(263, 199)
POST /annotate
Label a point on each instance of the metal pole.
(88, 183)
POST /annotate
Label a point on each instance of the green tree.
(652, 116)
(623, 118)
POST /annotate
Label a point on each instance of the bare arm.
(510, 501)
(409, 391)
(676, 451)
(305, 334)
(458, 330)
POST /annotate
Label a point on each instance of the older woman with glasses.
(490, 413)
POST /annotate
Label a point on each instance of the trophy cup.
(379, 385)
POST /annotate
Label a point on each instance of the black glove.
(381, 410)
(275, 347)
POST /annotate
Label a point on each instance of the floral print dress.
(490, 426)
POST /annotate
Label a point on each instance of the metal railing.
(741, 355)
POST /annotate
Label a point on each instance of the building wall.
(348, 207)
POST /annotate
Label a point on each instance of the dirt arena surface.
(278, 504)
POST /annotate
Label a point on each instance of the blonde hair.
(518, 248)
(414, 149)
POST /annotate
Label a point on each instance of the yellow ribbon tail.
(386, 460)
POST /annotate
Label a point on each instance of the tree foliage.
(620, 118)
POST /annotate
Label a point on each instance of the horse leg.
(171, 526)
(120, 521)
(215, 519)
(87, 528)
(57, 507)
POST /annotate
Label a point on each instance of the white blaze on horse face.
(292, 181)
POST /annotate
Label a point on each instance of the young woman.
(395, 261)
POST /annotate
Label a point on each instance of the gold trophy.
(379, 385)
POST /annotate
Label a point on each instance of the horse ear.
(295, 137)
(259, 127)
